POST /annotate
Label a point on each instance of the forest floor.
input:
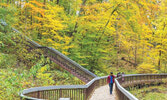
(102, 93)
(151, 93)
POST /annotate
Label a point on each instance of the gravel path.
(102, 93)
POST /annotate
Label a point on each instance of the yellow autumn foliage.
(146, 68)
(44, 76)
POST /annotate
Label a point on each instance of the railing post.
(97, 84)
(60, 93)
(85, 94)
(38, 94)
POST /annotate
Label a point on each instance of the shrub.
(146, 68)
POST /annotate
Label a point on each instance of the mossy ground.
(151, 93)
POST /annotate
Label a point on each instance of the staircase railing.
(66, 63)
(59, 58)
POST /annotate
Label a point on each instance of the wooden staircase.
(65, 62)
(60, 59)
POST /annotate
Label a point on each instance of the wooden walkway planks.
(102, 93)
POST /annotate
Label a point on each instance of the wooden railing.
(84, 92)
(60, 59)
(134, 80)
(66, 63)
(74, 92)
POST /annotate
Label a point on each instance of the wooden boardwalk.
(102, 93)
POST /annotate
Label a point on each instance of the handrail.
(125, 92)
(62, 55)
(133, 80)
(87, 90)
(73, 62)
(82, 73)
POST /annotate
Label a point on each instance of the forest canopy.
(97, 34)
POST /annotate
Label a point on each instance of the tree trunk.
(44, 2)
(159, 62)
(135, 56)
(115, 9)
(7, 1)
(134, 64)
(81, 9)
(57, 2)
(26, 18)
(76, 24)
(117, 43)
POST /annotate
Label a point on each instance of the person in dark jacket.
(123, 74)
(110, 81)
(118, 74)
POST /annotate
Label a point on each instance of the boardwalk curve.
(102, 93)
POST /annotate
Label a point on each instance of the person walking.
(123, 74)
(110, 81)
(118, 74)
